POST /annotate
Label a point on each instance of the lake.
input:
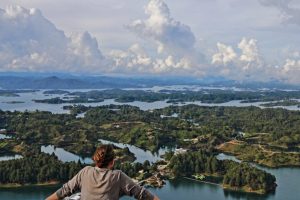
(64, 155)
(140, 154)
(2, 136)
(288, 179)
(10, 157)
(26, 103)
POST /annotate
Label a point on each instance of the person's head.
(104, 156)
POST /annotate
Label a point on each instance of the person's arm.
(68, 188)
(130, 188)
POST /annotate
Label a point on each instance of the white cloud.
(225, 55)
(136, 60)
(28, 41)
(246, 63)
(290, 71)
(241, 65)
(175, 45)
(249, 50)
(170, 35)
(132, 60)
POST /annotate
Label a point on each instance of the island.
(13, 102)
(14, 93)
(268, 137)
(282, 103)
(171, 96)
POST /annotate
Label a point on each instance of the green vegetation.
(4, 94)
(266, 136)
(247, 178)
(56, 92)
(261, 154)
(58, 100)
(14, 93)
(13, 102)
(171, 96)
(282, 103)
(37, 168)
(275, 131)
(41, 168)
(232, 175)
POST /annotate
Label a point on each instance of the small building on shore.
(180, 151)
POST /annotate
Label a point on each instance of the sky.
(244, 40)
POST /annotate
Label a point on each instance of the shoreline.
(206, 182)
(227, 187)
(281, 166)
(17, 185)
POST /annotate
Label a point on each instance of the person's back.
(101, 182)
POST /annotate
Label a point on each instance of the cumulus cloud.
(240, 63)
(133, 59)
(225, 55)
(246, 63)
(175, 44)
(290, 71)
(289, 14)
(28, 41)
(249, 50)
(136, 60)
(170, 35)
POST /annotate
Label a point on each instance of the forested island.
(171, 96)
(282, 103)
(265, 136)
(205, 166)
(14, 93)
(41, 169)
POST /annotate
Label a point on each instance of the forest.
(41, 168)
(265, 136)
(37, 168)
(233, 175)
(171, 96)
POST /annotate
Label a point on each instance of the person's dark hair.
(103, 155)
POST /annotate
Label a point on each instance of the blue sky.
(237, 39)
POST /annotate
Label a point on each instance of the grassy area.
(260, 154)
(243, 189)
(16, 185)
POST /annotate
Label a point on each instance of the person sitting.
(102, 182)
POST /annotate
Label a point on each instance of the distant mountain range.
(66, 81)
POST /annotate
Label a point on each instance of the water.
(288, 180)
(30, 105)
(64, 155)
(140, 154)
(27, 193)
(2, 136)
(223, 156)
(10, 157)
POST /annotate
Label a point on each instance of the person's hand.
(156, 198)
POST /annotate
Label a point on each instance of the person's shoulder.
(116, 171)
(120, 174)
(87, 168)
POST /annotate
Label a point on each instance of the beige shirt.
(103, 184)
